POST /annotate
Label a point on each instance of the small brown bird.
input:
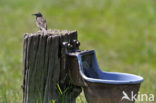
(41, 22)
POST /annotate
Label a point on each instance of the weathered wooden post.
(45, 76)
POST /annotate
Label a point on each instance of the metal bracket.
(71, 46)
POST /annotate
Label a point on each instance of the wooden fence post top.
(54, 32)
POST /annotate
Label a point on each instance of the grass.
(122, 33)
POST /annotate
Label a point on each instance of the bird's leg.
(44, 31)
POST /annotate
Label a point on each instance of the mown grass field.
(123, 33)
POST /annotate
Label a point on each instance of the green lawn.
(121, 31)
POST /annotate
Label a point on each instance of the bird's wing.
(42, 22)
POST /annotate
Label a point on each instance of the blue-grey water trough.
(101, 86)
